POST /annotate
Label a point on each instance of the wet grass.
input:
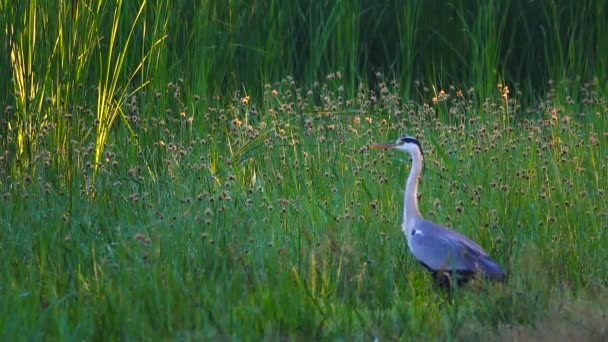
(271, 219)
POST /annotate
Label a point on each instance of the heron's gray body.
(443, 250)
(440, 249)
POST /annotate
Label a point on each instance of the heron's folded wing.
(439, 248)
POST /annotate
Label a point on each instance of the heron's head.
(404, 144)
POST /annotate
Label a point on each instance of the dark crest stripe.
(410, 140)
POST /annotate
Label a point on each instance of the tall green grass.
(234, 193)
(57, 54)
(213, 47)
(288, 226)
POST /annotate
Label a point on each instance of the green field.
(191, 176)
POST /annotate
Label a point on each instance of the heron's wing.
(440, 248)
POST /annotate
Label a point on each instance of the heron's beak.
(383, 146)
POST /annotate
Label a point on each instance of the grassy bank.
(280, 223)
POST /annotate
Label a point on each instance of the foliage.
(232, 222)
(156, 181)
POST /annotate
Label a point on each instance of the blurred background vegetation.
(218, 45)
(58, 55)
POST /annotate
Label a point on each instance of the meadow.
(146, 196)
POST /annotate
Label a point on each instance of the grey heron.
(449, 255)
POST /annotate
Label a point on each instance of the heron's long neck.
(410, 209)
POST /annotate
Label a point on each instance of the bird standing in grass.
(450, 256)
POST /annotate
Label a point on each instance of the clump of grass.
(579, 319)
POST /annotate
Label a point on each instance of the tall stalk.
(28, 81)
(485, 30)
(113, 85)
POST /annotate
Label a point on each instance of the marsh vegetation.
(171, 172)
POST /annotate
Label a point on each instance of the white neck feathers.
(410, 210)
